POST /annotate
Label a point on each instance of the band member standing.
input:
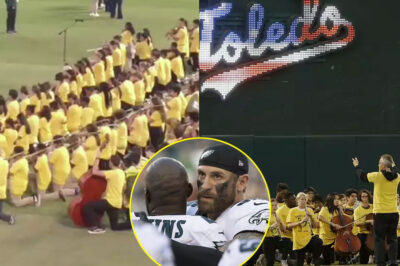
(286, 236)
(300, 220)
(361, 223)
(385, 211)
(272, 238)
(326, 234)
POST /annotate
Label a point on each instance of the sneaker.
(284, 263)
(91, 14)
(371, 259)
(96, 230)
(102, 6)
(12, 220)
(96, 15)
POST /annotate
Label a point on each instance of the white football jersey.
(239, 251)
(249, 215)
(189, 230)
(156, 245)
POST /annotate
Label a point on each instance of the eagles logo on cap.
(225, 157)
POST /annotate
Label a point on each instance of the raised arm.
(359, 172)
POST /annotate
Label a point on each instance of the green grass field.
(46, 236)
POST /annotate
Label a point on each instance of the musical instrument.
(92, 188)
(346, 242)
(309, 222)
(369, 242)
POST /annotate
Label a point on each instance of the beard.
(212, 203)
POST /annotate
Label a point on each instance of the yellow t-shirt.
(91, 149)
(58, 123)
(113, 140)
(168, 69)
(33, 122)
(74, 114)
(13, 110)
(149, 82)
(143, 50)
(99, 72)
(63, 91)
(95, 104)
(128, 92)
(23, 139)
(107, 151)
(87, 116)
(177, 67)
(80, 163)
(3, 145)
(325, 232)
(359, 213)
(60, 160)
(194, 42)
(184, 103)
(24, 103)
(272, 231)
(385, 193)
(161, 71)
(117, 57)
(127, 37)
(156, 119)
(46, 98)
(44, 173)
(107, 112)
(139, 92)
(122, 141)
(73, 87)
(315, 229)
(175, 108)
(183, 41)
(123, 53)
(301, 233)
(115, 99)
(3, 178)
(109, 68)
(89, 78)
(135, 135)
(80, 83)
(282, 214)
(145, 134)
(19, 179)
(44, 130)
(115, 185)
(11, 136)
(34, 100)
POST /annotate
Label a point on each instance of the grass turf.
(46, 236)
(35, 53)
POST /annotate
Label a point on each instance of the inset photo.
(203, 202)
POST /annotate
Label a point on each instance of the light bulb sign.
(320, 30)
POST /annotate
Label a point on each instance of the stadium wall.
(323, 162)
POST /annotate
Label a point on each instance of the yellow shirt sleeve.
(372, 177)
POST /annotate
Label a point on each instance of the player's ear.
(190, 190)
(242, 182)
(147, 195)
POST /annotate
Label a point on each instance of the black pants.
(287, 247)
(364, 253)
(385, 225)
(195, 61)
(270, 245)
(314, 247)
(93, 209)
(328, 254)
(156, 137)
(3, 216)
(116, 4)
(11, 15)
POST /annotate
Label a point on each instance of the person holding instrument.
(328, 237)
(385, 211)
(300, 220)
(363, 224)
(272, 238)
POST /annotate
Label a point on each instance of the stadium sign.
(321, 31)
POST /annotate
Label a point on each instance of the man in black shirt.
(11, 15)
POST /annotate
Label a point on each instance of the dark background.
(303, 124)
(352, 91)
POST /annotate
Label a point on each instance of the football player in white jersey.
(239, 251)
(222, 182)
(166, 193)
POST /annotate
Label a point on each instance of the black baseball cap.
(225, 157)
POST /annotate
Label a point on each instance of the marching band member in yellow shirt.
(3, 190)
(79, 161)
(13, 105)
(44, 125)
(74, 114)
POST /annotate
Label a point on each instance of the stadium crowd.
(112, 110)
